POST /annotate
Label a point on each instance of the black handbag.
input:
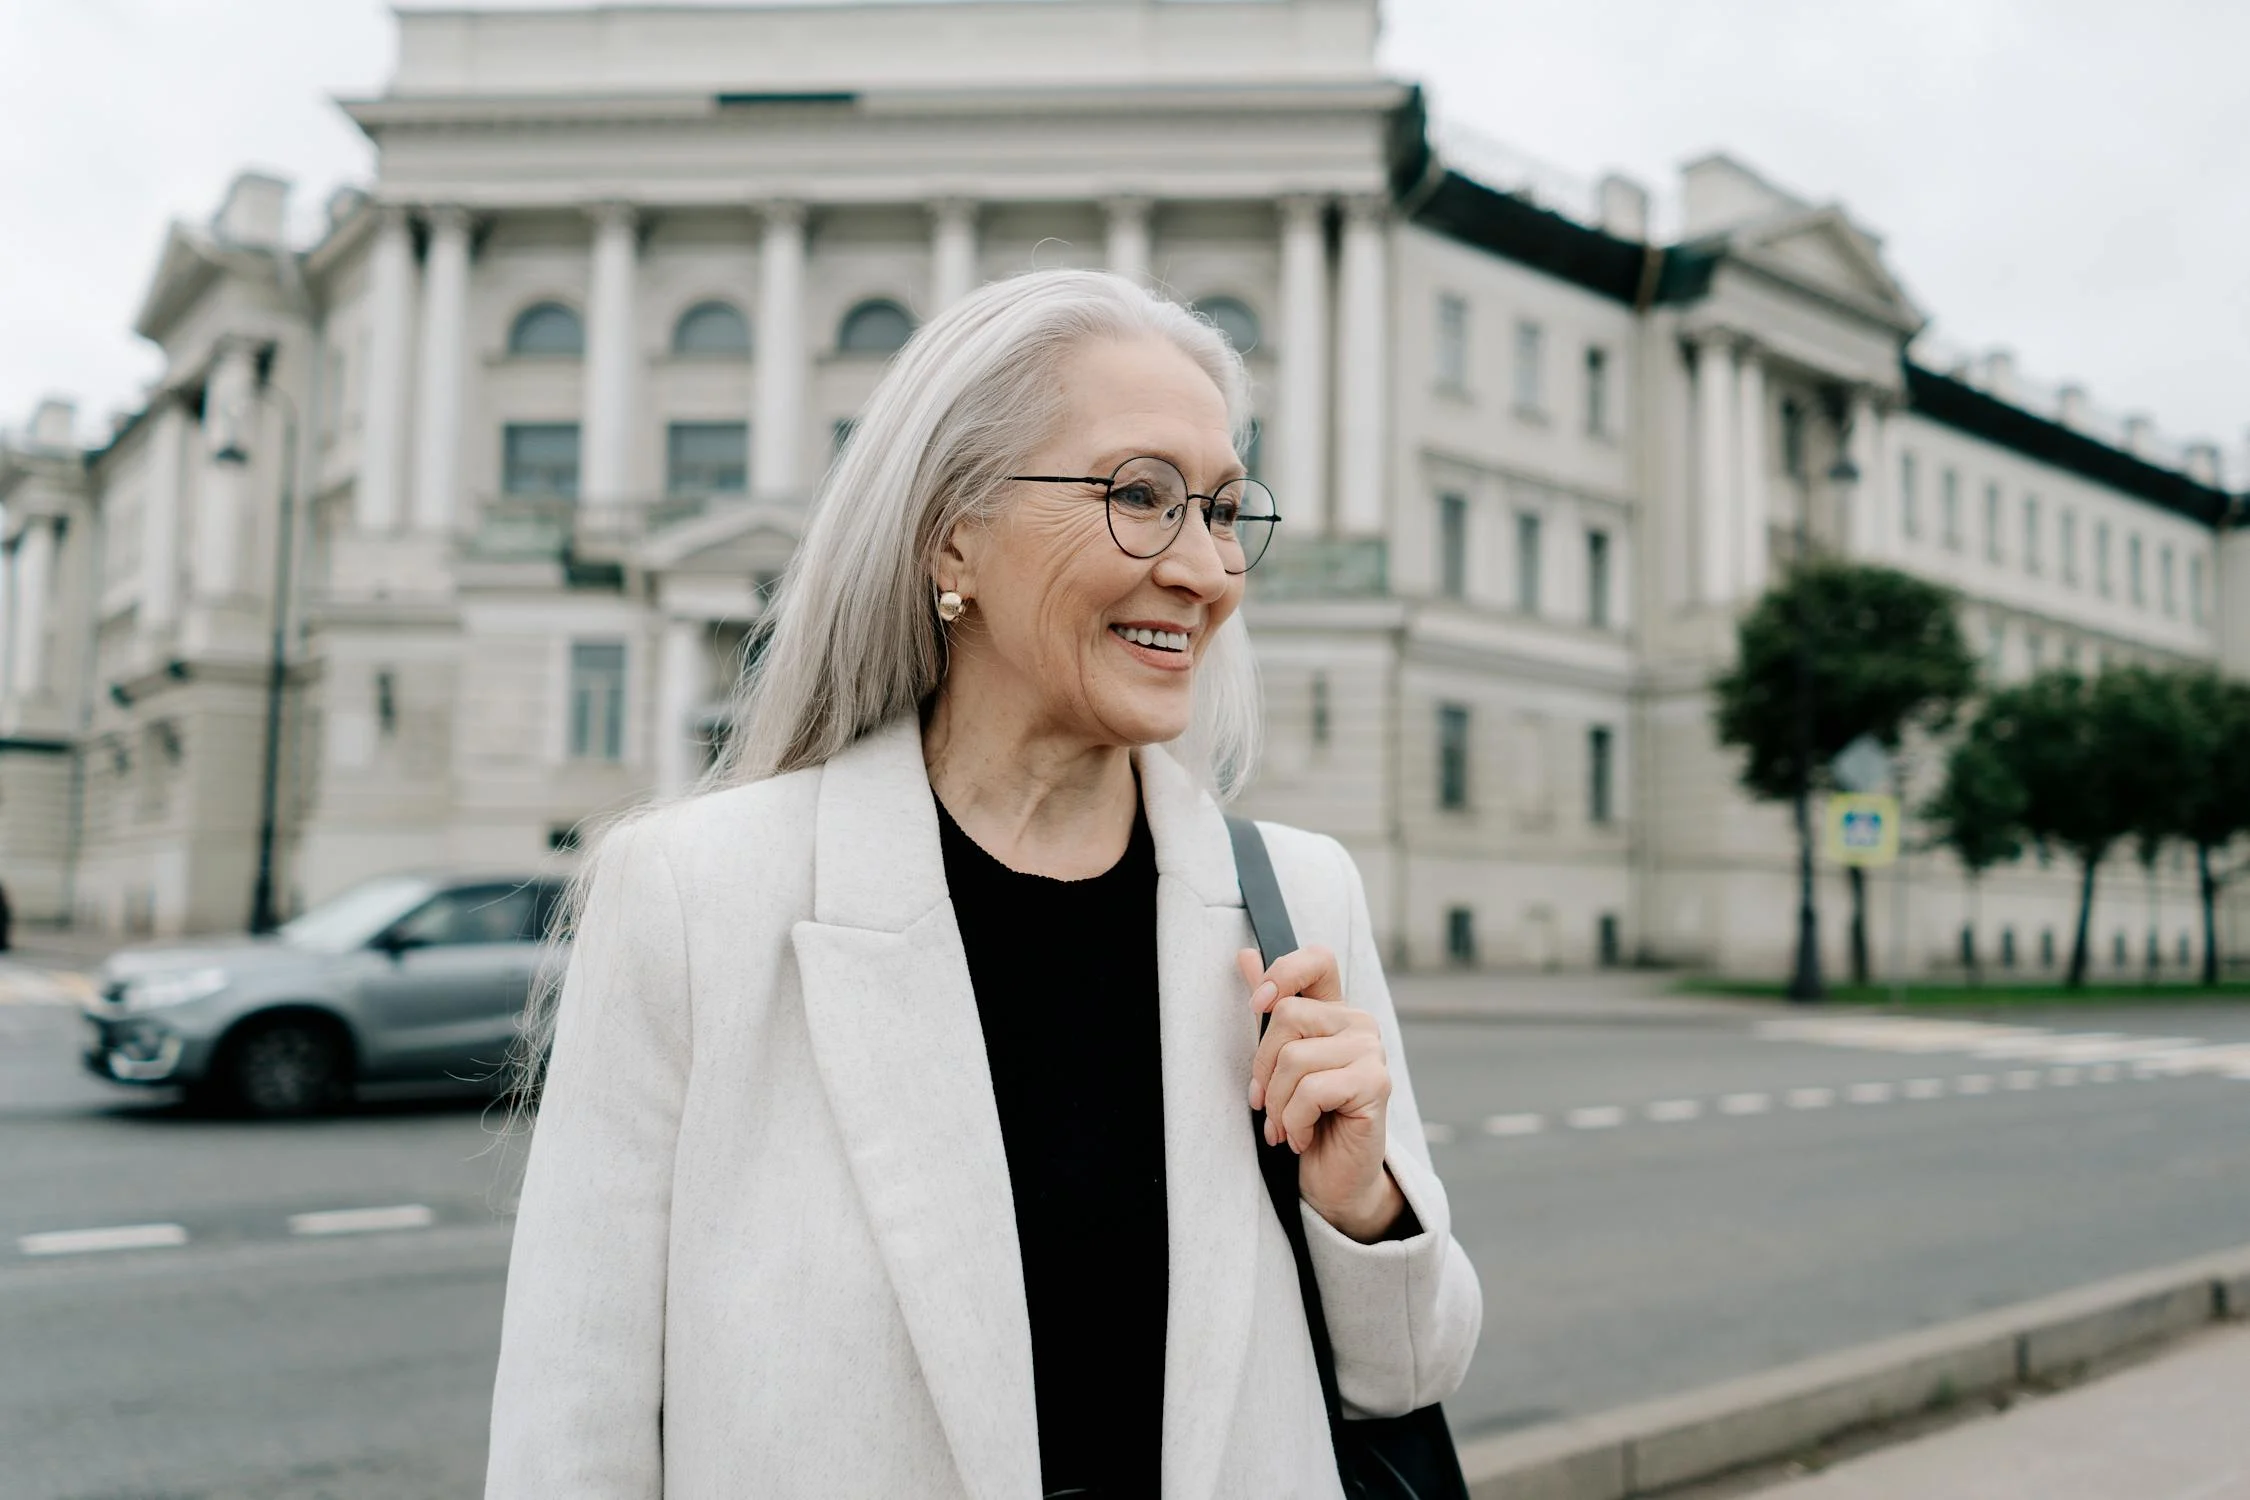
(1378, 1458)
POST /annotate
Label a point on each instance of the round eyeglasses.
(1148, 501)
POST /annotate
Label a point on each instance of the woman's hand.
(1322, 1078)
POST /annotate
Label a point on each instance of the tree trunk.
(1970, 954)
(2209, 889)
(2088, 864)
(1805, 985)
(2154, 958)
(1859, 925)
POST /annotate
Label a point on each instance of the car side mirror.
(394, 942)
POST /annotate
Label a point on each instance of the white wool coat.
(766, 1245)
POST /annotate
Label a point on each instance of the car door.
(448, 981)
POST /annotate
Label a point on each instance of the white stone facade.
(557, 389)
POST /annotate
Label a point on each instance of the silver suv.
(405, 977)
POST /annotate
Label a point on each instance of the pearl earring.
(950, 605)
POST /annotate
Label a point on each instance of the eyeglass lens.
(1148, 503)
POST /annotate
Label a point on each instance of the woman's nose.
(1193, 558)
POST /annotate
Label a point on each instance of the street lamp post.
(1805, 984)
(263, 917)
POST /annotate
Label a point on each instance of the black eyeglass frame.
(1109, 514)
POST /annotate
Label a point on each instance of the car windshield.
(349, 920)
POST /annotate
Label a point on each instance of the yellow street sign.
(1862, 828)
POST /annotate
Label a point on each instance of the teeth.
(1163, 640)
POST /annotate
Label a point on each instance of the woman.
(896, 1140)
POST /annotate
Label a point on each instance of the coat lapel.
(1215, 1197)
(900, 1050)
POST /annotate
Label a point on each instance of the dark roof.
(1962, 406)
(1464, 209)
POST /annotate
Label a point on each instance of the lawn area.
(1982, 996)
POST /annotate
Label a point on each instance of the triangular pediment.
(1821, 250)
(184, 268)
(732, 539)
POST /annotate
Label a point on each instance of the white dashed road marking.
(1515, 1124)
(1437, 1132)
(1973, 1083)
(1869, 1093)
(363, 1220)
(1745, 1104)
(1672, 1111)
(2021, 1078)
(1810, 1098)
(1923, 1088)
(116, 1237)
(1595, 1117)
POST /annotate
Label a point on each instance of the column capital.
(448, 218)
(952, 208)
(1129, 207)
(779, 212)
(613, 213)
(1301, 209)
(1366, 208)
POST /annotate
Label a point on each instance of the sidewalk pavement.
(1640, 996)
(2172, 1429)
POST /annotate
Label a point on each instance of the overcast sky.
(2066, 177)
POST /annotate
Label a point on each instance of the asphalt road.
(1640, 1226)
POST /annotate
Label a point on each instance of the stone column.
(30, 573)
(1300, 453)
(1867, 525)
(1128, 237)
(1750, 481)
(953, 252)
(1714, 394)
(160, 518)
(229, 422)
(439, 386)
(11, 624)
(605, 447)
(777, 436)
(1362, 381)
(679, 687)
(390, 311)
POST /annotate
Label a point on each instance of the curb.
(1701, 1434)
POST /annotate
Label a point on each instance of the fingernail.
(1263, 995)
(1257, 1095)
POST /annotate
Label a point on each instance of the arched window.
(547, 328)
(711, 328)
(1234, 319)
(875, 327)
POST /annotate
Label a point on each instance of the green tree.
(2214, 808)
(1833, 651)
(2068, 744)
(1977, 813)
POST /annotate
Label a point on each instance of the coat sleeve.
(1403, 1315)
(578, 1401)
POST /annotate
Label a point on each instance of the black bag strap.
(1269, 921)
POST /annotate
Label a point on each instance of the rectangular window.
(1453, 343)
(597, 700)
(1527, 562)
(1909, 498)
(1453, 545)
(1992, 523)
(1319, 708)
(1453, 756)
(2195, 588)
(2031, 549)
(2066, 546)
(2070, 656)
(1597, 579)
(1598, 804)
(1461, 936)
(2101, 558)
(1530, 376)
(540, 458)
(1597, 391)
(2034, 651)
(707, 458)
(1950, 499)
(1995, 649)
(2164, 590)
(2136, 589)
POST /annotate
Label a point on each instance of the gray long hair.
(851, 639)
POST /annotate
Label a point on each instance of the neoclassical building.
(508, 460)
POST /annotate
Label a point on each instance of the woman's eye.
(1138, 498)
(1223, 514)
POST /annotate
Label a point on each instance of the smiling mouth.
(1155, 640)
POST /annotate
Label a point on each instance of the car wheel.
(286, 1068)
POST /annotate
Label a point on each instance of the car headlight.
(159, 990)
